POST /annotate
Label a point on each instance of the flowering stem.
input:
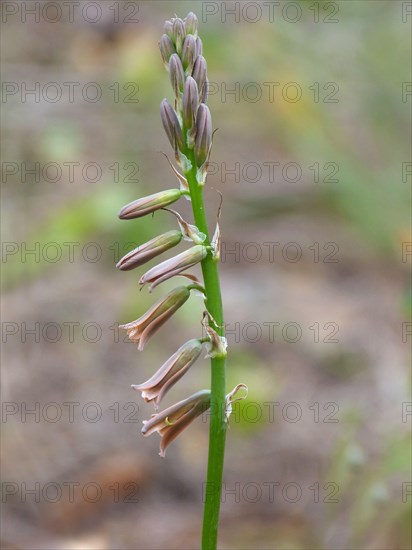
(217, 434)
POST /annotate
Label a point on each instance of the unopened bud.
(179, 34)
(176, 73)
(150, 250)
(199, 73)
(203, 138)
(174, 266)
(191, 23)
(168, 28)
(147, 205)
(190, 102)
(199, 46)
(204, 93)
(189, 53)
(171, 125)
(166, 49)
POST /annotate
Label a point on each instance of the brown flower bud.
(149, 250)
(171, 125)
(199, 46)
(176, 73)
(191, 23)
(199, 73)
(174, 266)
(189, 53)
(203, 138)
(166, 49)
(179, 34)
(190, 102)
(168, 29)
(147, 205)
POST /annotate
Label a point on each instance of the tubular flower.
(147, 205)
(142, 329)
(174, 266)
(149, 250)
(170, 372)
(170, 422)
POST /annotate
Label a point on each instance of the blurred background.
(312, 103)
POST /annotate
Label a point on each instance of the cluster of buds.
(188, 126)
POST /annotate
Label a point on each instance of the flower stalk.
(188, 126)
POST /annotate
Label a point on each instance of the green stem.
(217, 434)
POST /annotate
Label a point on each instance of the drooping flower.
(149, 250)
(173, 266)
(170, 372)
(142, 329)
(170, 422)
